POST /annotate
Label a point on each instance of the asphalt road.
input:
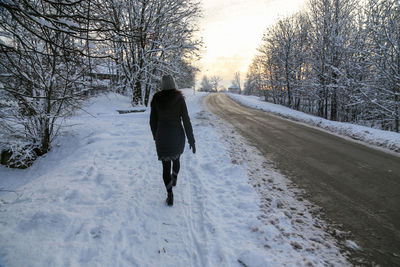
(358, 187)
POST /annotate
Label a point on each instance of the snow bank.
(289, 225)
(385, 139)
(97, 199)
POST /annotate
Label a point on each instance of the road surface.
(357, 186)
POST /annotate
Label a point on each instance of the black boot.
(170, 198)
(174, 178)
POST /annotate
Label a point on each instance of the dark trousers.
(167, 172)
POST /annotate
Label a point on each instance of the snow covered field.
(375, 137)
(97, 199)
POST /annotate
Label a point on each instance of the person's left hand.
(193, 147)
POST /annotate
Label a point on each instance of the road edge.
(316, 127)
(341, 238)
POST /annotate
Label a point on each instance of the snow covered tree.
(383, 92)
(45, 77)
(331, 22)
(49, 50)
(339, 59)
(279, 41)
(355, 108)
(255, 78)
(205, 84)
(284, 55)
(150, 38)
(302, 92)
(186, 78)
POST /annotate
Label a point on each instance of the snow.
(384, 139)
(352, 245)
(97, 199)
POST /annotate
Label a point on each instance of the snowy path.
(97, 199)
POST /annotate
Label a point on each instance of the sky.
(233, 29)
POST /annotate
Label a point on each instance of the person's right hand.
(193, 147)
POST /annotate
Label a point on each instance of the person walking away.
(168, 111)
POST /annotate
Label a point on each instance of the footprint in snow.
(96, 233)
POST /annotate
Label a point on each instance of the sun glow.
(232, 31)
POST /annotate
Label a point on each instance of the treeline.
(338, 59)
(52, 51)
(210, 84)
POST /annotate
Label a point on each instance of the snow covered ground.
(375, 137)
(97, 199)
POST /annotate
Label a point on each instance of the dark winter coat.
(168, 111)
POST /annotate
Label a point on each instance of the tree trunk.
(137, 93)
(289, 94)
(396, 114)
(320, 108)
(147, 95)
(288, 84)
(45, 145)
(297, 104)
(334, 107)
(326, 106)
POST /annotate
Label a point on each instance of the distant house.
(234, 89)
(104, 71)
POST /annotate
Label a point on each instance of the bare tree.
(215, 81)
(236, 81)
